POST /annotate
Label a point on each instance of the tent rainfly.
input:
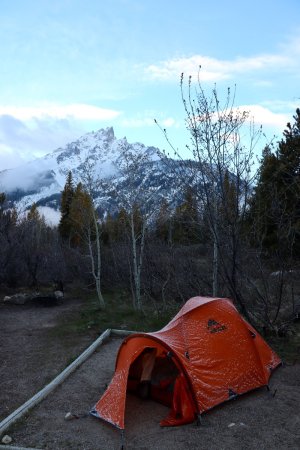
(206, 355)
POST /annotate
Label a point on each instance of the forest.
(235, 233)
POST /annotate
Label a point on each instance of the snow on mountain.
(42, 180)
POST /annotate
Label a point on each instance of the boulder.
(37, 298)
(17, 299)
(59, 295)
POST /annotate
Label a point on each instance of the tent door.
(155, 375)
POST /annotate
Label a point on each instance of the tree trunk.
(215, 268)
(137, 261)
(96, 267)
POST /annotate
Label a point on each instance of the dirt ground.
(31, 356)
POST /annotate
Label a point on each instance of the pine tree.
(275, 207)
(2, 200)
(65, 224)
(186, 219)
(108, 234)
(163, 222)
(80, 216)
(121, 225)
(33, 214)
(229, 206)
(288, 182)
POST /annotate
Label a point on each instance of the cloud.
(169, 122)
(148, 122)
(22, 141)
(264, 116)
(9, 157)
(281, 105)
(170, 69)
(52, 217)
(77, 111)
(213, 69)
(31, 132)
(263, 83)
(137, 122)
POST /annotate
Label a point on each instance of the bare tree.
(89, 225)
(136, 197)
(33, 240)
(221, 170)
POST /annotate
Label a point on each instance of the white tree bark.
(136, 198)
(91, 183)
(96, 260)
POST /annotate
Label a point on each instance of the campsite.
(149, 225)
(33, 355)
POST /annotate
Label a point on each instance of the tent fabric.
(216, 353)
(182, 409)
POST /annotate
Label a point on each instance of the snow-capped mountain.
(42, 180)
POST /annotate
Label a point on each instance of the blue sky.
(73, 66)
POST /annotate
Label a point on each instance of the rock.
(70, 416)
(59, 295)
(43, 298)
(6, 439)
(17, 299)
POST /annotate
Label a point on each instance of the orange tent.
(207, 354)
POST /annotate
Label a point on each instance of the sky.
(68, 67)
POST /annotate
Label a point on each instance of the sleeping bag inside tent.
(207, 354)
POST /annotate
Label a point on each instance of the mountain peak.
(106, 134)
(41, 181)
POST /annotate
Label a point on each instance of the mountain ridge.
(42, 180)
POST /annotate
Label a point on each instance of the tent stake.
(122, 440)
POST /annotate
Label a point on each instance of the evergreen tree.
(275, 207)
(65, 224)
(34, 238)
(2, 200)
(80, 218)
(33, 214)
(186, 219)
(229, 209)
(121, 225)
(163, 224)
(289, 179)
(108, 229)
